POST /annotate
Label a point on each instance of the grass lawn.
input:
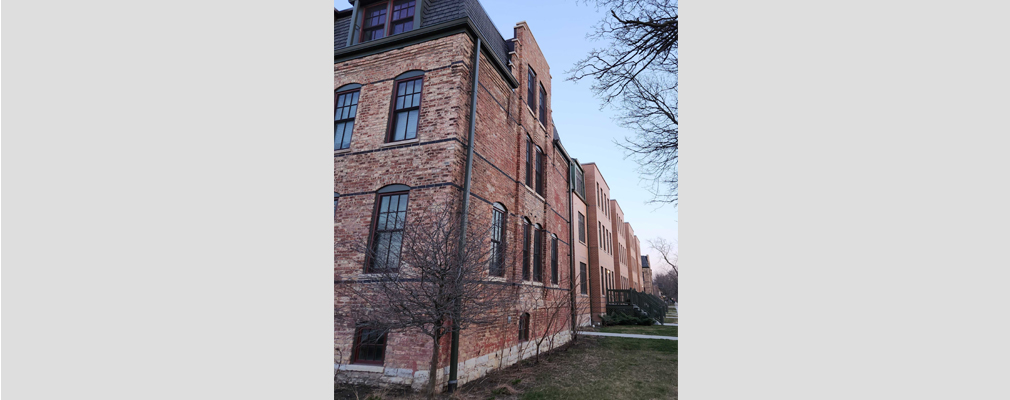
(604, 368)
(656, 330)
(615, 368)
(595, 368)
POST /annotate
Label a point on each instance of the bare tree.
(636, 72)
(667, 281)
(439, 276)
(556, 311)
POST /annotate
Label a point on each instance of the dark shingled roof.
(440, 11)
(437, 12)
(645, 261)
(341, 24)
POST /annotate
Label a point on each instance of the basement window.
(369, 346)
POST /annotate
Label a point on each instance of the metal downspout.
(454, 351)
(571, 250)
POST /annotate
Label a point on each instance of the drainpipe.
(571, 248)
(454, 352)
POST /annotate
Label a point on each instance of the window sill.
(497, 279)
(342, 151)
(534, 192)
(379, 273)
(401, 143)
(359, 367)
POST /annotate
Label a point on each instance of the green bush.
(625, 319)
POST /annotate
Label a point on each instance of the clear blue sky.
(560, 28)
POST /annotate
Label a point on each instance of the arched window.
(345, 110)
(406, 106)
(538, 253)
(387, 228)
(526, 248)
(524, 327)
(499, 217)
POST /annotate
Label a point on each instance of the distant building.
(647, 277)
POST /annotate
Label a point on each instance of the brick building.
(601, 259)
(403, 73)
(632, 257)
(403, 88)
(648, 286)
(580, 245)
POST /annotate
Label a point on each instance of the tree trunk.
(434, 363)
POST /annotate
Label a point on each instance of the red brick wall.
(502, 125)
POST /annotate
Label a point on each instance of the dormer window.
(403, 16)
(387, 18)
(374, 26)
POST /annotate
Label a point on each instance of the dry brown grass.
(594, 368)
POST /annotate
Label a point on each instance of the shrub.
(625, 319)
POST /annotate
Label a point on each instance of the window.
(524, 327)
(583, 278)
(604, 238)
(369, 346)
(406, 106)
(336, 196)
(374, 23)
(538, 254)
(389, 219)
(498, 218)
(531, 91)
(554, 259)
(543, 105)
(599, 233)
(526, 249)
(403, 16)
(345, 109)
(580, 182)
(540, 171)
(401, 19)
(582, 228)
(529, 162)
(605, 249)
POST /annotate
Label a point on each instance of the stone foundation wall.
(467, 371)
